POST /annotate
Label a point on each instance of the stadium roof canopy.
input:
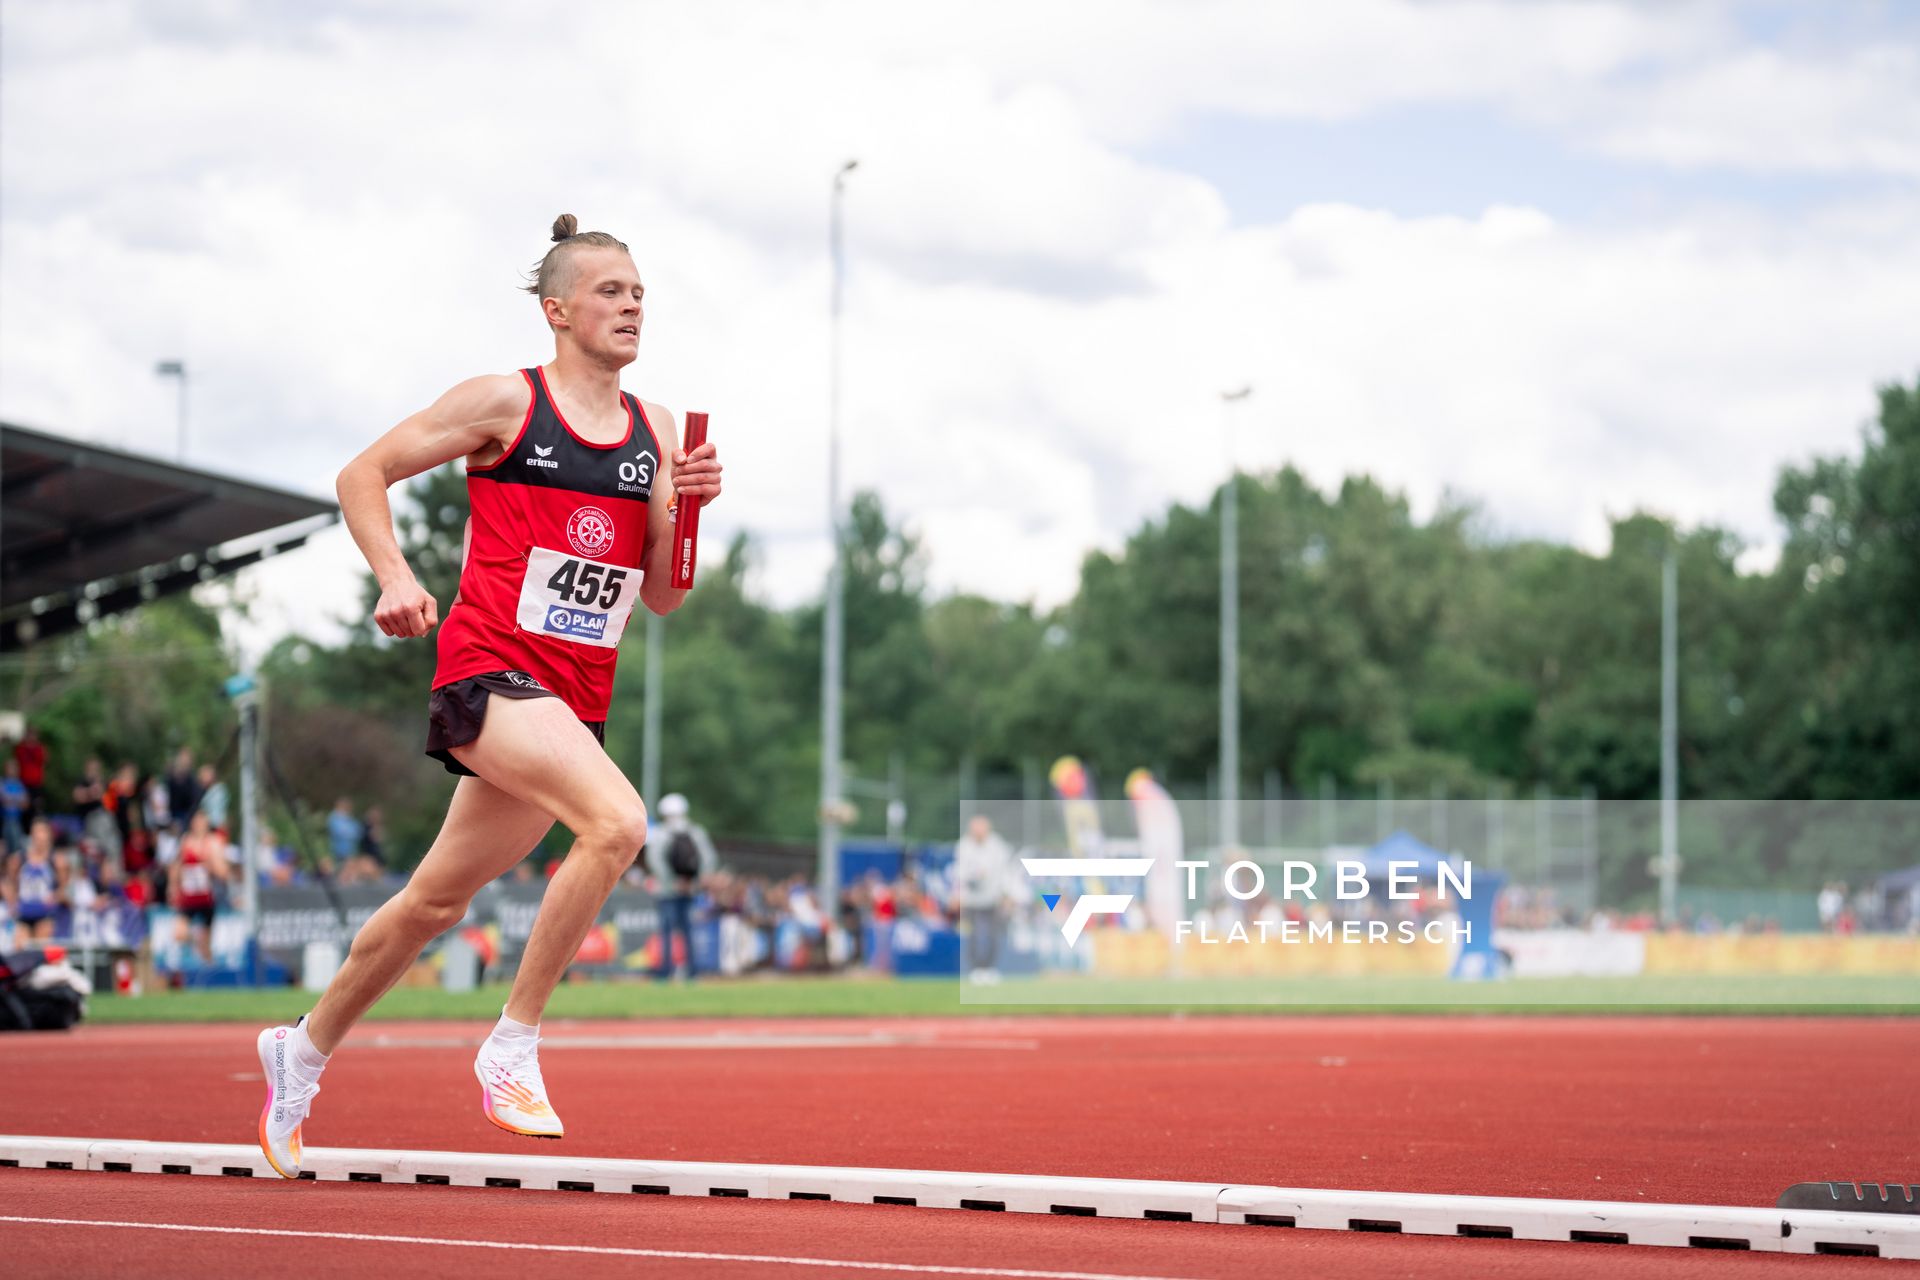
(86, 531)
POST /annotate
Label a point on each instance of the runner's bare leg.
(537, 750)
(487, 832)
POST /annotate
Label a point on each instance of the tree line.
(1430, 654)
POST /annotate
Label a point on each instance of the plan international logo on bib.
(580, 623)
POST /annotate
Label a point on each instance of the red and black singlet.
(196, 876)
(553, 556)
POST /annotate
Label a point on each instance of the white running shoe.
(289, 1095)
(512, 1093)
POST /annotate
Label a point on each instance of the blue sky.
(1457, 159)
(1459, 153)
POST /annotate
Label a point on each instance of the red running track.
(1716, 1111)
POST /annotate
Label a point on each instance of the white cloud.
(1138, 67)
(327, 220)
(1761, 110)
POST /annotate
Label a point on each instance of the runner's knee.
(620, 832)
(428, 916)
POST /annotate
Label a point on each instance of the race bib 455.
(573, 598)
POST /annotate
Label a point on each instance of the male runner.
(570, 523)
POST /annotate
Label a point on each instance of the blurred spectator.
(83, 867)
(158, 808)
(16, 802)
(278, 865)
(31, 755)
(982, 872)
(881, 906)
(737, 942)
(373, 843)
(800, 935)
(90, 806)
(136, 856)
(368, 864)
(113, 893)
(122, 801)
(213, 798)
(1833, 896)
(680, 856)
(866, 916)
(35, 886)
(343, 831)
(190, 886)
(183, 789)
(90, 793)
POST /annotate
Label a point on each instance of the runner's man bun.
(552, 276)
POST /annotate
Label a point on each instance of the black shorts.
(456, 711)
(201, 915)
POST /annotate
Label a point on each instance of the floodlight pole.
(177, 369)
(833, 623)
(245, 691)
(1669, 739)
(1230, 636)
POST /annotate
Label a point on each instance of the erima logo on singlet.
(541, 461)
(576, 622)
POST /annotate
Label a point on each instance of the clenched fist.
(406, 610)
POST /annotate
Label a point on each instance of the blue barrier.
(857, 860)
(918, 949)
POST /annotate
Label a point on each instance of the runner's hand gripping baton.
(686, 512)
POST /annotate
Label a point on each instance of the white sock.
(509, 1034)
(305, 1056)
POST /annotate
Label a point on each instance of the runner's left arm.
(696, 476)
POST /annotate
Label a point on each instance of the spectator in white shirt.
(983, 878)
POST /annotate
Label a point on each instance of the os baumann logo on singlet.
(590, 531)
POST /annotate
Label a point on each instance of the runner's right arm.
(478, 417)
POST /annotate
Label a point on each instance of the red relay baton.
(686, 513)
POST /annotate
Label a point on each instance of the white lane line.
(720, 1041)
(608, 1250)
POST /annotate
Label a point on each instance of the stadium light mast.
(1230, 635)
(1669, 738)
(247, 696)
(833, 623)
(177, 369)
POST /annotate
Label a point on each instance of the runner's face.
(603, 312)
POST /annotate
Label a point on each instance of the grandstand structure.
(87, 530)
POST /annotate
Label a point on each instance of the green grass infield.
(879, 997)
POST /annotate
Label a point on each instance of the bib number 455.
(571, 598)
(587, 584)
